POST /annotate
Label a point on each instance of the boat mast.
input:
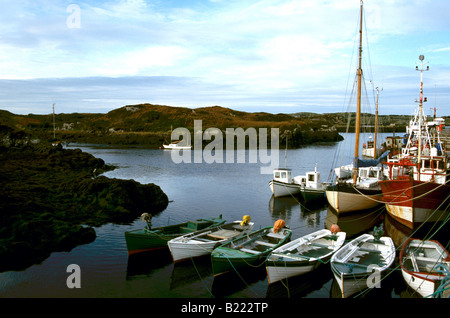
(358, 103)
(421, 100)
(376, 129)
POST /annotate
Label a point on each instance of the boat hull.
(143, 240)
(203, 243)
(176, 147)
(344, 198)
(423, 279)
(355, 264)
(302, 255)
(282, 189)
(412, 202)
(236, 255)
(312, 194)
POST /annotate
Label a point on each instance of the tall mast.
(421, 100)
(358, 102)
(376, 129)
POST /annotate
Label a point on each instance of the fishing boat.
(417, 188)
(148, 238)
(282, 183)
(312, 188)
(360, 260)
(424, 264)
(250, 249)
(358, 194)
(203, 242)
(303, 255)
(350, 196)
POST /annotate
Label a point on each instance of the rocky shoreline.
(52, 198)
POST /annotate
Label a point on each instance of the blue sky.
(268, 55)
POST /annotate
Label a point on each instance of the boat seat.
(249, 251)
(369, 250)
(265, 243)
(275, 235)
(223, 234)
(319, 245)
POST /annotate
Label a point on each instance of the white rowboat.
(303, 255)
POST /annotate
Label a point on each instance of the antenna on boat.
(421, 101)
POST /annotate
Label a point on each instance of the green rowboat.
(248, 250)
(148, 239)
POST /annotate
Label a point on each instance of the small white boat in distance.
(355, 262)
(419, 260)
(175, 145)
(282, 183)
(303, 255)
(202, 243)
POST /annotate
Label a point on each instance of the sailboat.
(418, 190)
(370, 147)
(176, 144)
(361, 190)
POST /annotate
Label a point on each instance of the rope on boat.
(398, 267)
(409, 188)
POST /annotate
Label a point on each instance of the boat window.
(311, 177)
(277, 174)
(283, 174)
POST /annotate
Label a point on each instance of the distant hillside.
(149, 125)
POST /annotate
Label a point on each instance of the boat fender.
(335, 228)
(245, 220)
(146, 217)
(279, 224)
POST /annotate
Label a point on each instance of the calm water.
(197, 190)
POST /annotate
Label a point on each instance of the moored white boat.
(419, 260)
(312, 188)
(282, 183)
(176, 146)
(203, 242)
(303, 254)
(362, 263)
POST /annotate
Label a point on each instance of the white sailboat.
(176, 144)
(351, 195)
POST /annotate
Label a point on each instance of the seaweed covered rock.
(51, 198)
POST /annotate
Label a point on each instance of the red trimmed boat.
(417, 190)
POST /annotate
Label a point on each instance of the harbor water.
(197, 190)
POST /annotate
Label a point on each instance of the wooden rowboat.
(148, 239)
(248, 250)
(420, 261)
(303, 255)
(203, 242)
(362, 263)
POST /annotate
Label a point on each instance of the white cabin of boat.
(282, 175)
(311, 180)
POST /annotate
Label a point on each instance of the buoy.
(279, 224)
(245, 220)
(335, 228)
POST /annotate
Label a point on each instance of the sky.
(276, 56)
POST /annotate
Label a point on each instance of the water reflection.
(301, 286)
(357, 223)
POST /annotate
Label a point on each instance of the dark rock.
(51, 198)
